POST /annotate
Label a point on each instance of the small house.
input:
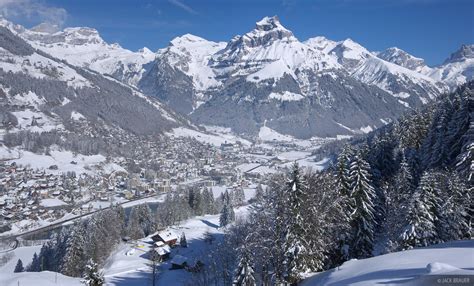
(163, 252)
(179, 262)
(166, 236)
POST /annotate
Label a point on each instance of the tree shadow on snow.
(208, 223)
(139, 278)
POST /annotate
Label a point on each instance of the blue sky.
(430, 29)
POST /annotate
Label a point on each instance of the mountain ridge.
(195, 76)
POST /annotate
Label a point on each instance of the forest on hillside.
(406, 185)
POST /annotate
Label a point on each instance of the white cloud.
(180, 4)
(32, 10)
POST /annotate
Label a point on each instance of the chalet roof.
(163, 250)
(179, 260)
(167, 235)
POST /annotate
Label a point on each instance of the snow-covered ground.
(45, 278)
(65, 161)
(213, 136)
(128, 265)
(413, 266)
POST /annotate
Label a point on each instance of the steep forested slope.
(404, 186)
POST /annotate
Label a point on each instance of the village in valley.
(32, 197)
(39, 193)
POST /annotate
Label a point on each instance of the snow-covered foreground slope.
(45, 278)
(413, 267)
(128, 266)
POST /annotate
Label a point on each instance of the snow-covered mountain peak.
(81, 36)
(14, 28)
(188, 41)
(266, 31)
(351, 50)
(46, 28)
(145, 51)
(321, 43)
(269, 23)
(464, 53)
(402, 58)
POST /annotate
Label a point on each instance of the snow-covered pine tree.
(35, 264)
(134, 226)
(403, 187)
(209, 205)
(456, 210)
(296, 247)
(346, 202)
(92, 275)
(362, 219)
(74, 259)
(438, 155)
(245, 273)
(239, 196)
(420, 228)
(224, 218)
(227, 212)
(19, 266)
(399, 194)
(182, 241)
(259, 193)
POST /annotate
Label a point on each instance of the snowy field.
(413, 267)
(66, 161)
(213, 136)
(46, 278)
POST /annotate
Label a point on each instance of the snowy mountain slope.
(41, 93)
(418, 266)
(268, 51)
(400, 57)
(269, 76)
(83, 47)
(457, 69)
(391, 77)
(267, 73)
(304, 88)
(180, 74)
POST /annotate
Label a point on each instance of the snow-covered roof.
(179, 260)
(163, 250)
(167, 235)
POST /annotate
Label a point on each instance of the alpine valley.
(265, 160)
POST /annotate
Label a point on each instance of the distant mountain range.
(266, 77)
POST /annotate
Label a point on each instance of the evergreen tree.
(209, 205)
(75, 257)
(92, 275)
(224, 218)
(346, 202)
(182, 241)
(19, 267)
(362, 219)
(456, 220)
(420, 228)
(227, 213)
(245, 274)
(296, 248)
(259, 193)
(141, 221)
(35, 264)
(239, 197)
